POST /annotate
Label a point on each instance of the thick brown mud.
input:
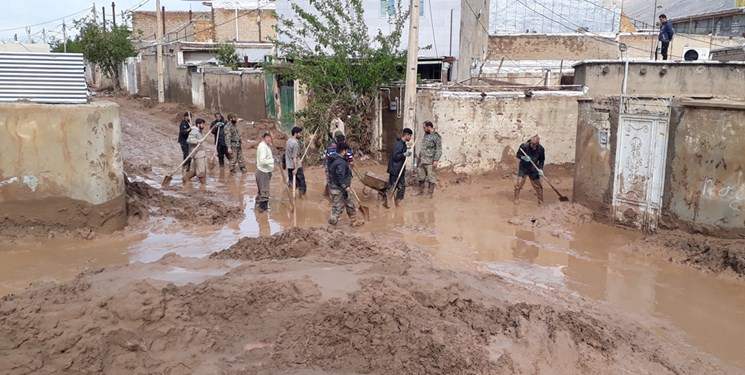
(285, 312)
(530, 289)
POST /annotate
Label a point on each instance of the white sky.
(17, 14)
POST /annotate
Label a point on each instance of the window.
(388, 7)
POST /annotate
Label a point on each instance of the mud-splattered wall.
(61, 167)
(481, 134)
(239, 93)
(605, 78)
(705, 185)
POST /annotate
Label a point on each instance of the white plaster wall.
(434, 25)
(481, 135)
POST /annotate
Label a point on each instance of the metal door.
(641, 154)
(287, 105)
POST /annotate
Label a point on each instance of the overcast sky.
(17, 14)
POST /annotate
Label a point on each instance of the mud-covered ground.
(322, 301)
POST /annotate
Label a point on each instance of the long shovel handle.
(544, 176)
(401, 172)
(194, 151)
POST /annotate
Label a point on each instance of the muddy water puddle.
(467, 231)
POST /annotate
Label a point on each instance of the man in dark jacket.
(396, 165)
(218, 130)
(183, 135)
(529, 153)
(666, 34)
(340, 187)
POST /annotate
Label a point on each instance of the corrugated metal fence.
(43, 77)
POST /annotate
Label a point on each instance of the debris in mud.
(199, 207)
(718, 255)
(557, 219)
(271, 316)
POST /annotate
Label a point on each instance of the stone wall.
(144, 23)
(481, 134)
(61, 166)
(571, 47)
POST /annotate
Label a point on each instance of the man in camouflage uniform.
(233, 139)
(429, 159)
(340, 187)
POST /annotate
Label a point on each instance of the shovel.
(400, 173)
(169, 177)
(365, 211)
(561, 197)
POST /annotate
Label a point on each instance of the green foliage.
(73, 46)
(105, 49)
(227, 56)
(330, 50)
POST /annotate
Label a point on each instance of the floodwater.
(470, 231)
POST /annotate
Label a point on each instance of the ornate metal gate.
(641, 153)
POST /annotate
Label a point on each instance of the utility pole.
(411, 66)
(163, 18)
(159, 51)
(236, 22)
(28, 35)
(64, 37)
(113, 14)
(95, 16)
(103, 18)
(44, 35)
(653, 54)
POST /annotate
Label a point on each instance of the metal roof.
(643, 10)
(53, 78)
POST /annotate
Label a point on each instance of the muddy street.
(200, 282)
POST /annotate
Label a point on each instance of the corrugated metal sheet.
(53, 78)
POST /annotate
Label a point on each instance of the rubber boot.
(188, 176)
(203, 180)
(263, 207)
(243, 170)
(517, 197)
(385, 200)
(430, 190)
(333, 220)
(539, 193)
(420, 189)
(356, 220)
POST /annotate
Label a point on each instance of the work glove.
(540, 172)
(348, 189)
(408, 153)
(526, 159)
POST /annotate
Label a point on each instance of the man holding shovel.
(532, 158)
(184, 128)
(218, 130)
(340, 187)
(198, 166)
(397, 168)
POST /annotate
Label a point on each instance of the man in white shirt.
(264, 169)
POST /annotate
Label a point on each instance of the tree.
(227, 56)
(330, 50)
(106, 49)
(73, 46)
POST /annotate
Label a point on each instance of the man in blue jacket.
(530, 153)
(395, 166)
(666, 34)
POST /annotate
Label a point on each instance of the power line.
(88, 9)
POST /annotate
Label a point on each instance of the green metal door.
(287, 104)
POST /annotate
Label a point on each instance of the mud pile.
(702, 252)
(278, 313)
(199, 207)
(557, 219)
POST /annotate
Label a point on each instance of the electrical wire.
(432, 22)
(88, 9)
(486, 29)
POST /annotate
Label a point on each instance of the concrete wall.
(705, 185)
(605, 78)
(480, 134)
(551, 47)
(474, 39)
(239, 93)
(61, 166)
(594, 161)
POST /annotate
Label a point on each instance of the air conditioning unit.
(695, 54)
